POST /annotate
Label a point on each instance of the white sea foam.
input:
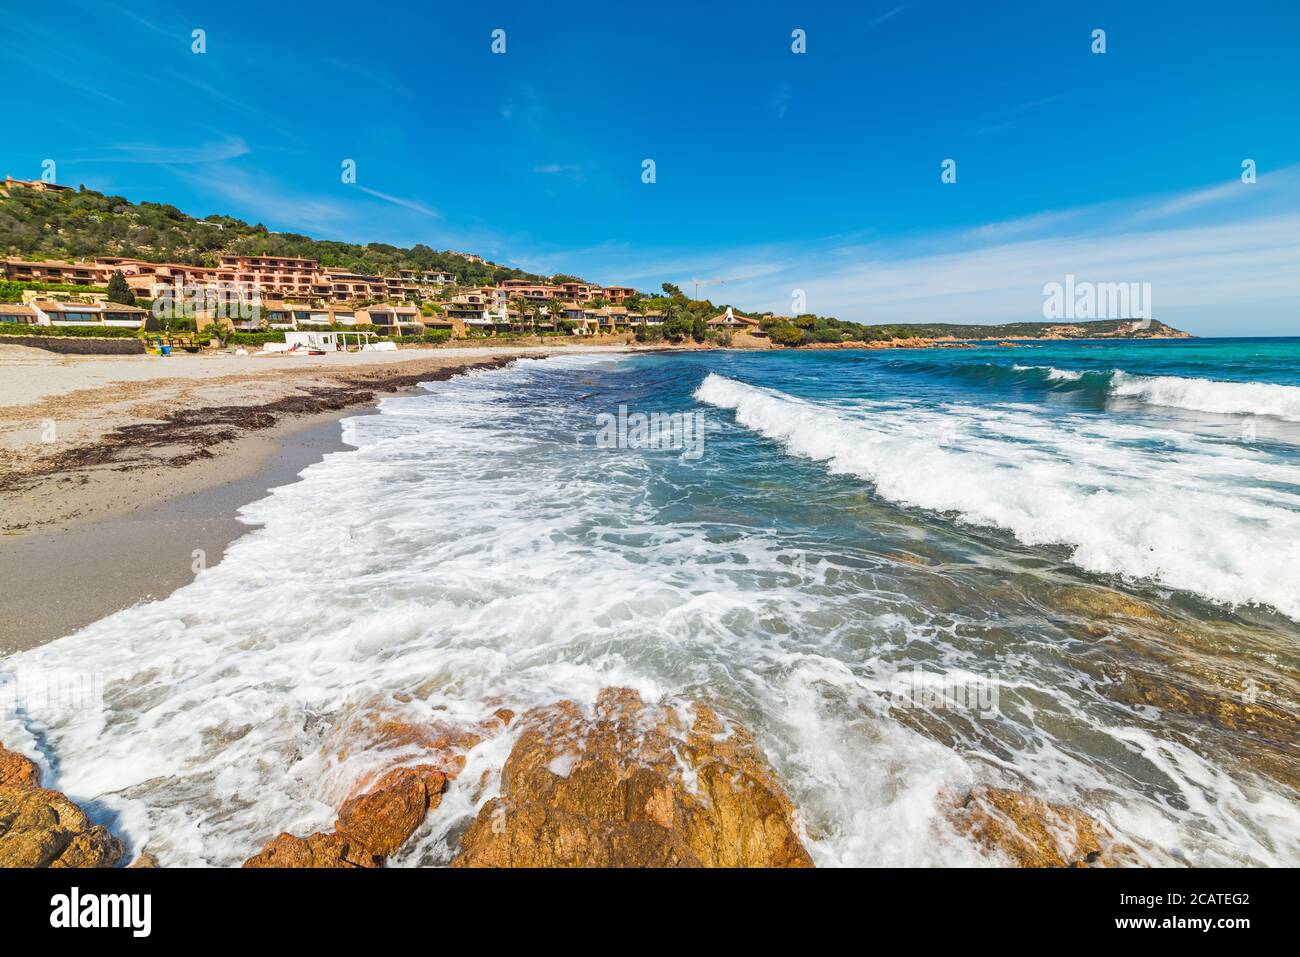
(1121, 508)
(1053, 374)
(1211, 395)
(468, 554)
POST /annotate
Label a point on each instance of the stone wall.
(78, 346)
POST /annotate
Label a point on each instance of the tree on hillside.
(118, 290)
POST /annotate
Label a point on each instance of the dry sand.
(105, 460)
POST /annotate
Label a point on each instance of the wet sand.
(153, 459)
(61, 581)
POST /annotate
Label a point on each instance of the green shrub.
(11, 290)
(85, 332)
(787, 335)
(433, 335)
(255, 338)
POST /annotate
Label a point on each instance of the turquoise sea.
(1072, 568)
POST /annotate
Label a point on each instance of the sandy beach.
(125, 473)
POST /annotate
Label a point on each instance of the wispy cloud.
(1024, 224)
(1248, 259)
(411, 204)
(370, 78)
(781, 99)
(568, 170)
(75, 84)
(258, 199)
(1198, 199)
(227, 148)
(889, 14)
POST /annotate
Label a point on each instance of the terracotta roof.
(730, 317)
(49, 305)
(60, 263)
(16, 309)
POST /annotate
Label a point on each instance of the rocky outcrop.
(370, 826)
(1031, 832)
(387, 807)
(16, 770)
(315, 850)
(385, 816)
(634, 785)
(42, 828)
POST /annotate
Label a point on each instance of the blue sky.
(778, 171)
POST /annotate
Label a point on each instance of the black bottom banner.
(334, 907)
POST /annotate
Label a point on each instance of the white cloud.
(258, 200)
(1244, 264)
(227, 148)
(569, 170)
(411, 204)
(891, 13)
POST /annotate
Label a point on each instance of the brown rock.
(1096, 602)
(17, 770)
(42, 828)
(146, 859)
(385, 808)
(439, 744)
(386, 815)
(1036, 833)
(632, 786)
(315, 850)
(370, 825)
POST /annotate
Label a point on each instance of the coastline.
(124, 506)
(156, 459)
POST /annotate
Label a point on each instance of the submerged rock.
(1098, 602)
(1032, 832)
(634, 785)
(420, 756)
(42, 828)
(370, 826)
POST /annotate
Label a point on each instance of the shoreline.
(103, 549)
(127, 511)
(141, 481)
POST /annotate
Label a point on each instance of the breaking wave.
(1188, 518)
(1211, 395)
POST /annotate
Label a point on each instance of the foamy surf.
(1145, 514)
(1052, 373)
(1210, 395)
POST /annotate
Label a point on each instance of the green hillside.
(1094, 329)
(85, 224)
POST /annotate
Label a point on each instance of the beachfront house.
(50, 313)
(393, 319)
(445, 323)
(17, 314)
(733, 321)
